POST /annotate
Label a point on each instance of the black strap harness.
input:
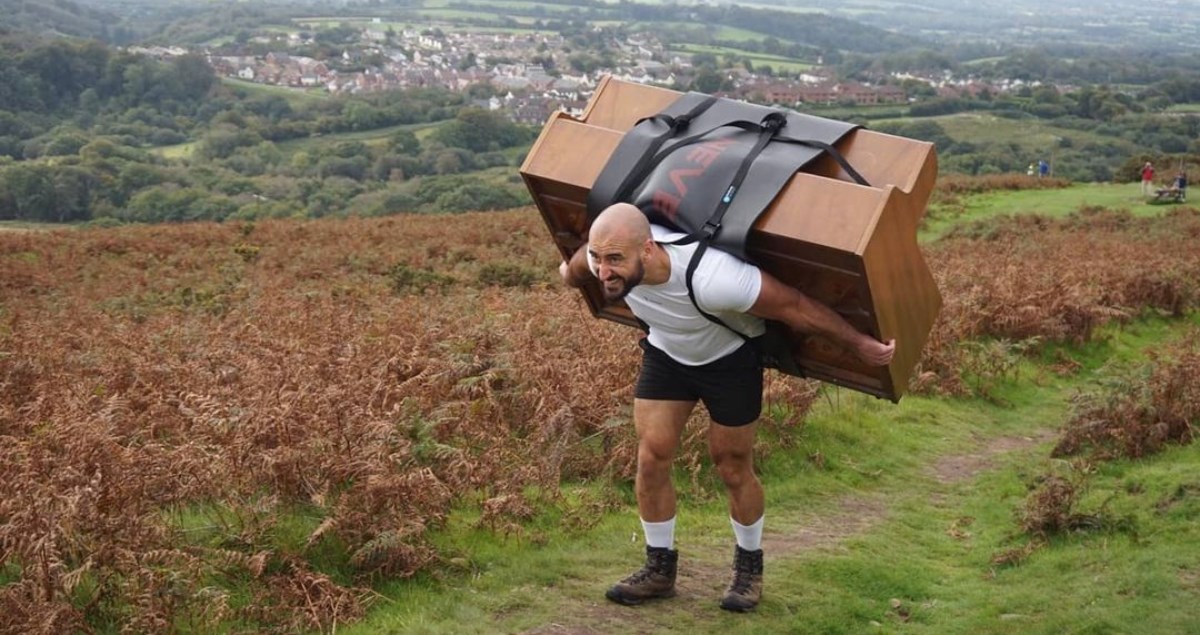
(677, 189)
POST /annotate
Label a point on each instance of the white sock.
(660, 535)
(749, 537)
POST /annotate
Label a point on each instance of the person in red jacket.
(1147, 179)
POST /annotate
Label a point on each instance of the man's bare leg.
(732, 450)
(659, 425)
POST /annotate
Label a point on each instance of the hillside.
(1155, 26)
(277, 420)
(57, 18)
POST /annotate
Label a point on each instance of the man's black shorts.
(730, 387)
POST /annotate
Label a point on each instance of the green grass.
(549, 8)
(983, 60)
(776, 62)
(718, 31)
(293, 95)
(26, 226)
(447, 19)
(782, 7)
(373, 137)
(985, 128)
(370, 137)
(904, 573)
(177, 151)
(1055, 203)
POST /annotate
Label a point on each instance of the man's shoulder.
(661, 233)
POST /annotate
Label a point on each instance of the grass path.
(792, 536)
(881, 518)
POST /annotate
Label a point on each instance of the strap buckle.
(710, 228)
(681, 122)
(774, 121)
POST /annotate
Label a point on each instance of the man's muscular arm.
(778, 301)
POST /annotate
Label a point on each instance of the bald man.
(688, 358)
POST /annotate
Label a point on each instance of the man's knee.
(654, 458)
(735, 469)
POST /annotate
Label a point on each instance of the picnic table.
(1168, 195)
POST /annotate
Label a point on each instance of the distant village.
(515, 66)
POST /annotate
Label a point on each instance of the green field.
(776, 62)
(24, 226)
(369, 137)
(720, 32)
(291, 146)
(293, 95)
(1054, 203)
(443, 18)
(549, 8)
(987, 128)
(983, 127)
(178, 151)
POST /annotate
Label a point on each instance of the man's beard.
(627, 284)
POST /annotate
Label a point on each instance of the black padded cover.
(683, 190)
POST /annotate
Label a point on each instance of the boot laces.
(743, 574)
(639, 576)
(654, 565)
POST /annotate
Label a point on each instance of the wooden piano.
(850, 246)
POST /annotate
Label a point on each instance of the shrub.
(1138, 412)
(407, 279)
(507, 274)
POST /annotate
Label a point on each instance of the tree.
(480, 130)
(477, 196)
(708, 60)
(193, 75)
(707, 80)
(66, 141)
(404, 142)
(46, 193)
(224, 141)
(448, 162)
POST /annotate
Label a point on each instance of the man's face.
(618, 266)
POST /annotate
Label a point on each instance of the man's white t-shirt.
(725, 286)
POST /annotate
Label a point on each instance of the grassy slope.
(370, 137)
(777, 62)
(877, 471)
(1053, 203)
(294, 95)
(863, 533)
(987, 128)
(376, 136)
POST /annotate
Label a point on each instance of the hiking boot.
(654, 580)
(745, 591)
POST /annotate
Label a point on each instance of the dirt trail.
(702, 577)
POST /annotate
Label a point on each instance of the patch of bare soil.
(1189, 579)
(565, 629)
(960, 467)
(854, 515)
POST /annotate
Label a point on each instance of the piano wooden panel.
(850, 246)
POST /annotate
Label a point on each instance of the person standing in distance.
(1147, 179)
(688, 358)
